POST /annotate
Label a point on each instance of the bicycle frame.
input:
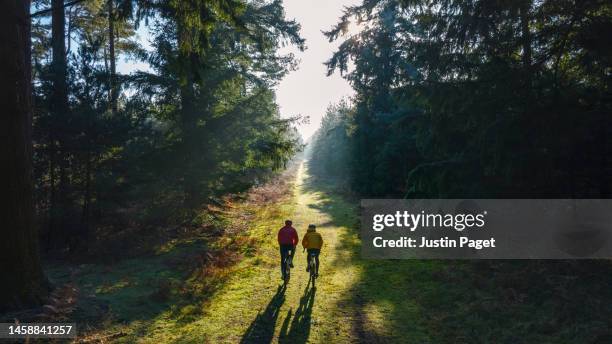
(312, 265)
(287, 263)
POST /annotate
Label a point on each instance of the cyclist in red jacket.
(287, 240)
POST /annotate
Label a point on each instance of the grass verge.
(156, 297)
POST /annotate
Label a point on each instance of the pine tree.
(24, 282)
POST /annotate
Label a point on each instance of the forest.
(144, 205)
(112, 151)
(472, 99)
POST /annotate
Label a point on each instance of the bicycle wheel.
(287, 270)
(312, 267)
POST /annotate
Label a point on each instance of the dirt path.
(355, 300)
(253, 307)
(299, 313)
(322, 313)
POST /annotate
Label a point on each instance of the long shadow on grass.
(261, 329)
(136, 291)
(469, 301)
(299, 330)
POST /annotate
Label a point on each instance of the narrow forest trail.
(253, 307)
(257, 309)
(162, 298)
(355, 300)
(301, 313)
(151, 299)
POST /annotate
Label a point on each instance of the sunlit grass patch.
(164, 296)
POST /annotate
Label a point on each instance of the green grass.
(437, 301)
(159, 299)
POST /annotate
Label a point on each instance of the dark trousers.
(286, 251)
(316, 252)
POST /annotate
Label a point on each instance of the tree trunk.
(188, 117)
(188, 128)
(604, 165)
(59, 108)
(87, 191)
(52, 218)
(111, 50)
(24, 282)
(525, 18)
(59, 101)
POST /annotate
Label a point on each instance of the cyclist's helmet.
(288, 223)
(312, 226)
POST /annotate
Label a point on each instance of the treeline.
(329, 148)
(468, 98)
(115, 151)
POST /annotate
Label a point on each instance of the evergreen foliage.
(150, 147)
(469, 98)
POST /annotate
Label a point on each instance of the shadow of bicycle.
(299, 330)
(261, 329)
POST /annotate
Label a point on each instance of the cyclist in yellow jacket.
(312, 242)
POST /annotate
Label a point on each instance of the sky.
(307, 91)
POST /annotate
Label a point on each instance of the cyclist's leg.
(317, 252)
(283, 255)
(291, 253)
(307, 259)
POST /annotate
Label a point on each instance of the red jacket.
(287, 236)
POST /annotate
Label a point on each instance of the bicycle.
(312, 267)
(287, 263)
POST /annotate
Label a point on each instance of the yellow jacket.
(312, 239)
